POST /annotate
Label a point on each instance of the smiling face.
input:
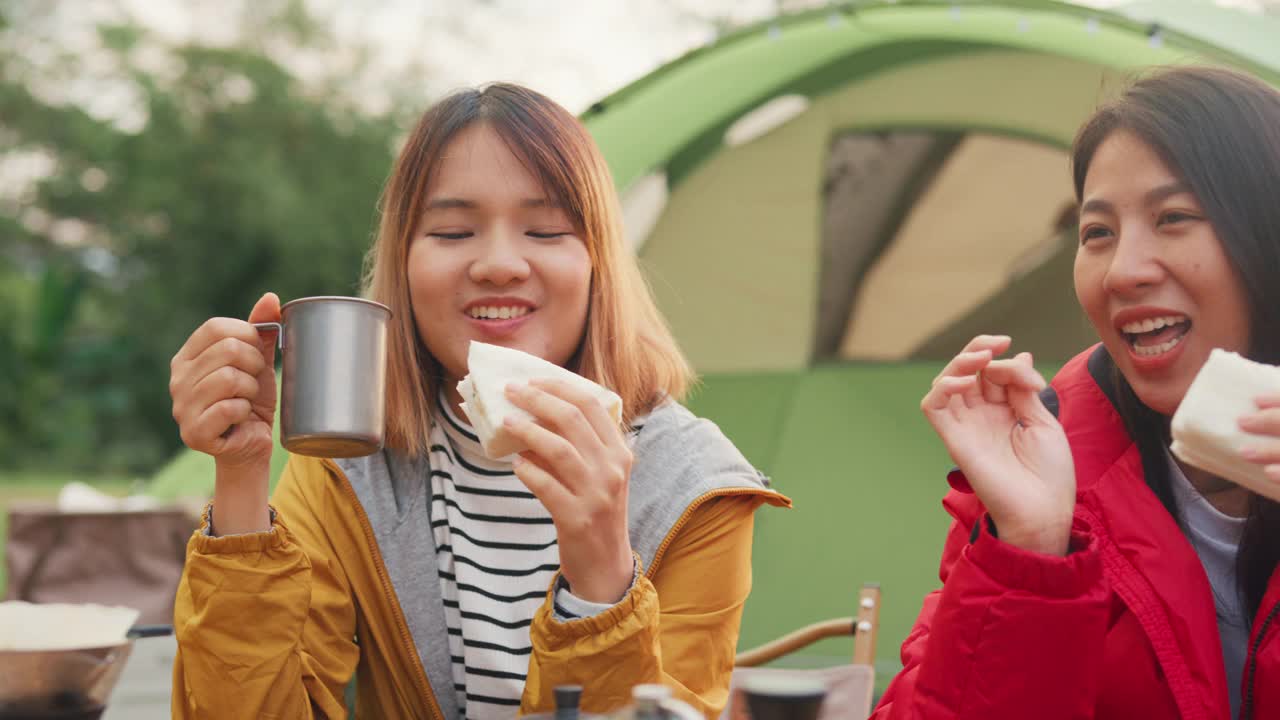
(494, 259)
(1151, 273)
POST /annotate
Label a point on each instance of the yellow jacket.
(274, 624)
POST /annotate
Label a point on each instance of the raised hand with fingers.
(1011, 449)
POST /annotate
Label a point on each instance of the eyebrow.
(1166, 191)
(1153, 196)
(449, 203)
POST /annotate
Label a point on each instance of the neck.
(454, 397)
(1225, 496)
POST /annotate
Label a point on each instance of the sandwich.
(490, 368)
(26, 626)
(1206, 430)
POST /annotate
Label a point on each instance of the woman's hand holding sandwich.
(1266, 421)
(578, 466)
(1010, 447)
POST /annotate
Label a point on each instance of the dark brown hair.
(1219, 130)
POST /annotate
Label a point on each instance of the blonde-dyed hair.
(627, 345)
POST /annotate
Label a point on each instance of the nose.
(500, 261)
(1135, 265)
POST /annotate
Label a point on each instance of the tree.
(239, 178)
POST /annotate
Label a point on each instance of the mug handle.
(273, 326)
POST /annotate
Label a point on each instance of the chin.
(1164, 400)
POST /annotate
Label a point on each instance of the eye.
(1093, 232)
(1175, 217)
(545, 235)
(451, 235)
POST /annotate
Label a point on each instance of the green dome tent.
(827, 205)
(830, 203)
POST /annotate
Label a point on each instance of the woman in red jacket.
(1089, 574)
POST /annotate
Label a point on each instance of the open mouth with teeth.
(1156, 336)
(498, 312)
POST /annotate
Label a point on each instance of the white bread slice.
(490, 368)
(1206, 431)
(62, 626)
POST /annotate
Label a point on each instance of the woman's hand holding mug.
(223, 386)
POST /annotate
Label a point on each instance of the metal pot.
(72, 684)
(332, 399)
(62, 684)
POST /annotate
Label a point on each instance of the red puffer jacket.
(1122, 628)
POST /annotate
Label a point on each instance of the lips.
(498, 308)
(1155, 336)
(498, 312)
(497, 318)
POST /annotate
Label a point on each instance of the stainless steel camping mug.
(332, 396)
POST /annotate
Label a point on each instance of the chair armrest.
(791, 642)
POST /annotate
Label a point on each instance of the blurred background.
(164, 162)
(828, 198)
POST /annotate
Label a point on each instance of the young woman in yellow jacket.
(450, 585)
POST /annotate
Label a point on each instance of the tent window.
(868, 185)
(945, 235)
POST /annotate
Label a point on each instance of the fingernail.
(1273, 472)
(514, 388)
(1250, 453)
(1248, 422)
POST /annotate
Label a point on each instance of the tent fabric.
(1038, 308)
(760, 208)
(995, 199)
(651, 121)
(869, 182)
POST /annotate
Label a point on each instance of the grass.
(24, 486)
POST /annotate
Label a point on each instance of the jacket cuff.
(567, 606)
(1013, 567)
(204, 542)
(636, 611)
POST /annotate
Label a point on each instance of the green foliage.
(241, 179)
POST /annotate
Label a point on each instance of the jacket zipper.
(419, 675)
(688, 513)
(1246, 710)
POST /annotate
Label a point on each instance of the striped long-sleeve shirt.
(497, 554)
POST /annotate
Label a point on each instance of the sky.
(575, 51)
